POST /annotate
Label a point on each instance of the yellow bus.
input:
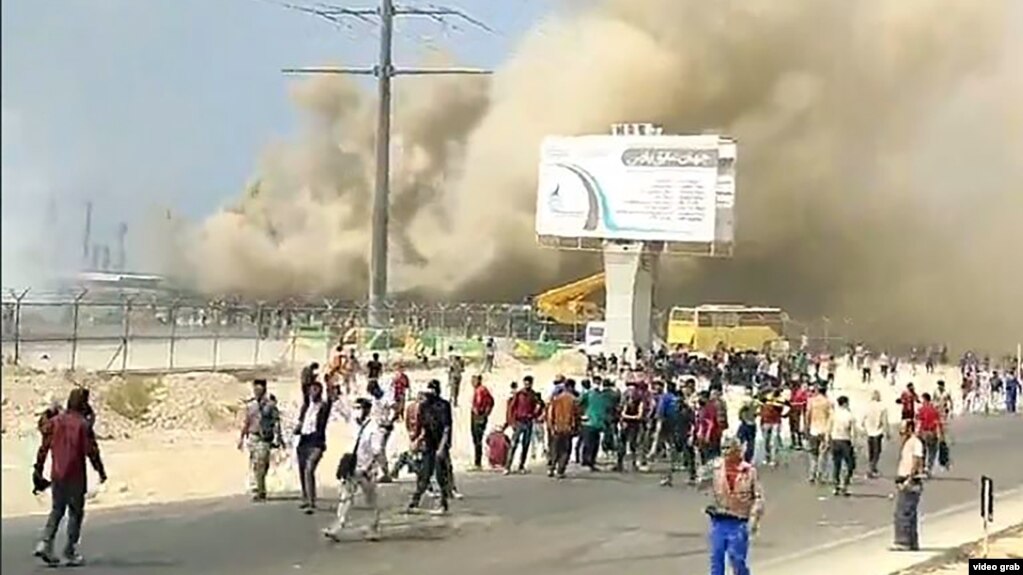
(704, 327)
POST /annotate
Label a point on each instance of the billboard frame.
(721, 250)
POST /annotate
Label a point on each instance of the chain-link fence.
(125, 333)
(118, 332)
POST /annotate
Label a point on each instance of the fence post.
(259, 334)
(217, 315)
(126, 335)
(74, 329)
(17, 325)
(173, 334)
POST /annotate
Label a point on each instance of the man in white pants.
(358, 472)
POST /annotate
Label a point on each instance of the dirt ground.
(183, 444)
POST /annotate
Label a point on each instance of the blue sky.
(140, 104)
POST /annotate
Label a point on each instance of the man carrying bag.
(357, 471)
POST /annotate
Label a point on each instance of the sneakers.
(44, 553)
(457, 495)
(666, 482)
(74, 559)
(439, 512)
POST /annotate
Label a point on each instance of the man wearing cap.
(357, 471)
(736, 511)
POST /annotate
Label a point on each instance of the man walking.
(771, 411)
(818, 415)
(455, 369)
(929, 431)
(523, 409)
(909, 487)
(736, 510)
(312, 440)
(562, 421)
(69, 438)
(357, 472)
(597, 410)
(434, 441)
(843, 458)
(482, 406)
(875, 425)
(667, 414)
(633, 416)
(489, 354)
(262, 430)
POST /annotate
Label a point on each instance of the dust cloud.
(881, 155)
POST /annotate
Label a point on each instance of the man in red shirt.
(70, 439)
(482, 405)
(797, 412)
(908, 401)
(523, 409)
(929, 429)
(708, 434)
(400, 386)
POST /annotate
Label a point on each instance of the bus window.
(681, 314)
(771, 319)
(719, 319)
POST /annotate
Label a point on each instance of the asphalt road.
(595, 524)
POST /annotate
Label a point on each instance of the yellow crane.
(567, 304)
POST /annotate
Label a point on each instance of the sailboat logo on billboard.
(581, 206)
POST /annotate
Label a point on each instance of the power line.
(384, 70)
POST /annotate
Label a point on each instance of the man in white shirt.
(843, 429)
(908, 489)
(875, 425)
(384, 413)
(357, 472)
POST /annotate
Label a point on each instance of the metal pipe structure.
(384, 70)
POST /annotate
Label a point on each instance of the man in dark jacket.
(433, 437)
(69, 438)
(311, 430)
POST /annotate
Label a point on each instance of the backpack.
(267, 423)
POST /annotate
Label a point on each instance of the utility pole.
(384, 70)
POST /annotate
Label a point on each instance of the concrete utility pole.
(384, 70)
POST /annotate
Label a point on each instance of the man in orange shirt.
(562, 426)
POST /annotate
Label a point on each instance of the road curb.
(958, 554)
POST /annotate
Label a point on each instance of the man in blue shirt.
(666, 418)
(1012, 387)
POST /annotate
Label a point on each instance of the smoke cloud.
(881, 155)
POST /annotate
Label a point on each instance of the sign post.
(987, 506)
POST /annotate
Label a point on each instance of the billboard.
(640, 188)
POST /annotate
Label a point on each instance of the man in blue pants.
(736, 511)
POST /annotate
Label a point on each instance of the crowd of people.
(657, 410)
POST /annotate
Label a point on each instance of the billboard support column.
(630, 272)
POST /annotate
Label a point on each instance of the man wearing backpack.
(262, 431)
